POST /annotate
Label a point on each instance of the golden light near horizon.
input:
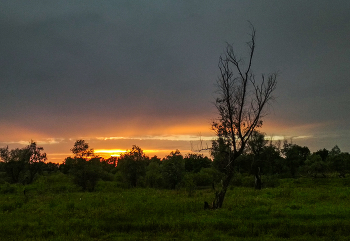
(109, 152)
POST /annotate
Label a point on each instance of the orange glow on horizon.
(189, 127)
(156, 139)
(107, 153)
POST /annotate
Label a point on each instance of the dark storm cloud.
(69, 67)
(87, 59)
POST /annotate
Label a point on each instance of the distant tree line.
(274, 160)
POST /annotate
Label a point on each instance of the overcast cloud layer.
(72, 69)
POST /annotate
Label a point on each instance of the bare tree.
(241, 102)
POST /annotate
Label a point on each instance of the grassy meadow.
(53, 208)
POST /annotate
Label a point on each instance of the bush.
(86, 173)
(3, 177)
(86, 177)
(189, 184)
(241, 180)
(7, 188)
(173, 169)
(237, 179)
(132, 166)
(154, 177)
(270, 181)
(55, 182)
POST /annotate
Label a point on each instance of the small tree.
(14, 163)
(132, 166)
(315, 165)
(241, 102)
(154, 178)
(81, 149)
(339, 161)
(86, 173)
(323, 154)
(295, 157)
(271, 160)
(195, 162)
(85, 168)
(173, 169)
(36, 159)
(255, 146)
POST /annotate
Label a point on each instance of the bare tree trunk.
(220, 195)
(257, 179)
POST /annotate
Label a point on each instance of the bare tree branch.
(241, 102)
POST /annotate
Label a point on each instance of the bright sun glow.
(109, 152)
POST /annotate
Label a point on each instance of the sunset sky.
(123, 73)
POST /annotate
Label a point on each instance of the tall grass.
(54, 209)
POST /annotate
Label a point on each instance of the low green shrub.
(270, 181)
(53, 183)
(7, 188)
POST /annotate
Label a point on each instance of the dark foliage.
(86, 172)
(132, 166)
(173, 169)
(195, 162)
(22, 165)
(295, 156)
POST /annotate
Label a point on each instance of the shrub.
(86, 173)
(237, 179)
(242, 180)
(55, 182)
(173, 169)
(7, 188)
(270, 181)
(154, 177)
(202, 179)
(189, 184)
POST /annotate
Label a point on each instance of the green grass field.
(54, 209)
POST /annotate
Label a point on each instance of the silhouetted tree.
(272, 161)
(51, 167)
(339, 161)
(241, 103)
(195, 162)
(173, 169)
(67, 165)
(132, 166)
(86, 173)
(295, 156)
(314, 165)
(220, 151)
(256, 143)
(14, 163)
(23, 164)
(81, 149)
(36, 159)
(109, 164)
(323, 154)
(255, 146)
(154, 177)
(335, 151)
(85, 167)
